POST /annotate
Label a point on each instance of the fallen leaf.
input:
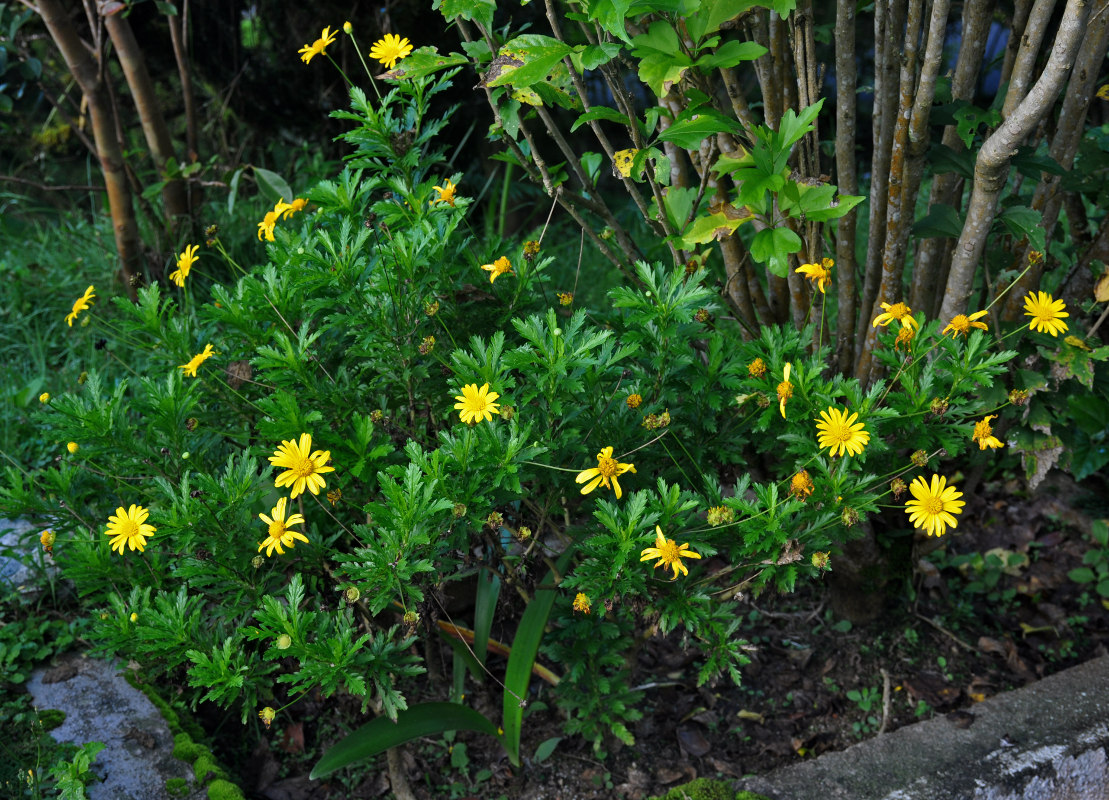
(692, 740)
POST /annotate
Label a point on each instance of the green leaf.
(660, 38)
(480, 11)
(714, 12)
(689, 133)
(941, 221)
(600, 112)
(425, 61)
(793, 125)
(678, 202)
(714, 226)
(610, 15)
(525, 646)
(944, 159)
(596, 54)
(1022, 221)
(660, 71)
(377, 736)
(773, 246)
(545, 748)
(733, 52)
(1082, 575)
(488, 590)
(539, 55)
(968, 119)
(272, 185)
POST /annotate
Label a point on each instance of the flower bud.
(284, 641)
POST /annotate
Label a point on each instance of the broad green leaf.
(480, 11)
(690, 133)
(660, 72)
(1029, 164)
(425, 61)
(941, 221)
(610, 15)
(732, 53)
(714, 12)
(378, 735)
(660, 37)
(1022, 221)
(944, 159)
(600, 112)
(596, 54)
(773, 246)
(539, 55)
(545, 748)
(272, 185)
(754, 184)
(793, 125)
(488, 590)
(678, 202)
(968, 119)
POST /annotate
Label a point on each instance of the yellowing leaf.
(622, 162)
(1101, 290)
(1074, 341)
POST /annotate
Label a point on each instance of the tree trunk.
(847, 180)
(86, 71)
(992, 166)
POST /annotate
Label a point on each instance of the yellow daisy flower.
(961, 323)
(266, 226)
(1047, 314)
(72, 447)
(840, 433)
(669, 553)
(445, 193)
(390, 49)
(185, 263)
(476, 405)
(278, 532)
(197, 360)
(820, 274)
(128, 528)
(80, 304)
(498, 268)
(606, 472)
(303, 466)
(785, 390)
(318, 47)
(288, 209)
(801, 485)
(757, 368)
(983, 434)
(934, 506)
(897, 311)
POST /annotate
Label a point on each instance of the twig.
(885, 701)
(947, 633)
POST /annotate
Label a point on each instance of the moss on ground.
(224, 790)
(707, 789)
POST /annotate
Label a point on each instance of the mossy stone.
(205, 766)
(51, 718)
(177, 787)
(224, 790)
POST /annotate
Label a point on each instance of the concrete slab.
(1046, 741)
(101, 706)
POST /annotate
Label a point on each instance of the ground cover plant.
(290, 466)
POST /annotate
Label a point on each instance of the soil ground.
(991, 609)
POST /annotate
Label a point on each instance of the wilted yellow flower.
(820, 274)
(318, 47)
(1047, 314)
(605, 474)
(820, 560)
(934, 505)
(983, 434)
(72, 447)
(904, 337)
(128, 528)
(334, 496)
(720, 515)
(277, 530)
(634, 401)
(565, 298)
(427, 344)
(898, 487)
(445, 193)
(581, 603)
(431, 308)
(47, 538)
(498, 268)
(801, 485)
(785, 391)
(185, 263)
(757, 368)
(669, 553)
(267, 715)
(197, 360)
(80, 304)
(476, 405)
(286, 210)
(961, 323)
(390, 49)
(303, 466)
